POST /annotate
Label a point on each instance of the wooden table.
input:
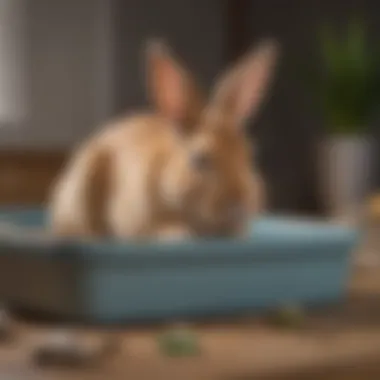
(340, 343)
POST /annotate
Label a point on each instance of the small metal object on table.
(70, 348)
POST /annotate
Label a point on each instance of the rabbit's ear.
(170, 85)
(240, 91)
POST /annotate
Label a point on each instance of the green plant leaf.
(329, 47)
(349, 86)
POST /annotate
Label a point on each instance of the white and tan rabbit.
(184, 169)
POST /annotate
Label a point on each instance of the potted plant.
(348, 92)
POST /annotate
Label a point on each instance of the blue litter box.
(286, 260)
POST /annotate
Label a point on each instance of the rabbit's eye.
(201, 161)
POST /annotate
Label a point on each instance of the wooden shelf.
(26, 175)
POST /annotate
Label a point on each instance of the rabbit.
(183, 169)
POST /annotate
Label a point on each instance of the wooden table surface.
(343, 342)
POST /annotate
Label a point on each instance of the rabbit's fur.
(184, 169)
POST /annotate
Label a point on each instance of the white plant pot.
(345, 173)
